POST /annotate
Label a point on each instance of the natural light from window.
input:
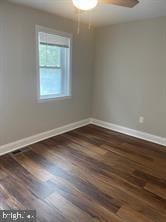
(54, 56)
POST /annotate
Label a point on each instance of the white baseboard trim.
(7, 148)
(130, 132)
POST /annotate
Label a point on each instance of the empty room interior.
(83, 110)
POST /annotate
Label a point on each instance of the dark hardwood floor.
(88, 175)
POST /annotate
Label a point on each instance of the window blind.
(54, 40)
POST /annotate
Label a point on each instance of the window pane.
(50, 81)
(54, 63)
(49, 55)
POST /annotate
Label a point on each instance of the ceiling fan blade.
(125, 3)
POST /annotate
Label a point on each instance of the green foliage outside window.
(49, 55)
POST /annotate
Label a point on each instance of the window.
(54, 60)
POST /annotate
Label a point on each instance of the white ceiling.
(103, 14)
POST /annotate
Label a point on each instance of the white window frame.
(69, 76)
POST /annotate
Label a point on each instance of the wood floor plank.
(2, 173)
(159, 191)
(83, 182)
(132, 199)
(30, 201)
(69, 210)
(7, 199)
(19, 174)
(82, 200)
(129, 215)
(33, 168)
(129, 155)
(90, 174)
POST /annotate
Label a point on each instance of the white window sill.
(49, 99)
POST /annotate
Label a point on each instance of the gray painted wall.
(20, 114)
(130, 75)
(127, 81)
